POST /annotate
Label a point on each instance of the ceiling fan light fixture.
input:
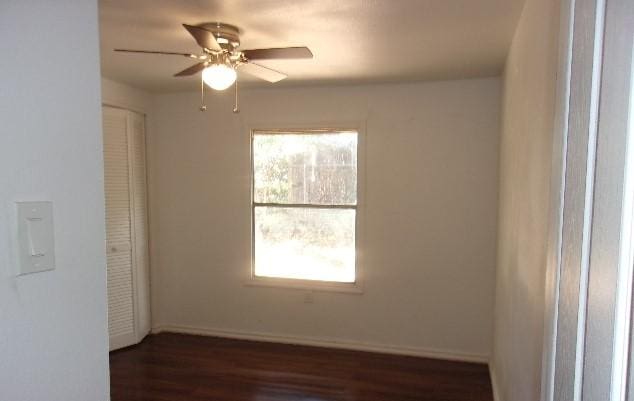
(219, 76)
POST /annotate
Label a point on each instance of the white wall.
(117, 94)
(430, 230)
(525, 170)
(53, 326)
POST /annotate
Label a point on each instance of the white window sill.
(308, 285)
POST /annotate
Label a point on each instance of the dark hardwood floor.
(178, 367)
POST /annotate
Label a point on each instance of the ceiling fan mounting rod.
(227, 36)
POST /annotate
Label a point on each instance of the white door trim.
(587, 196)
(601, 367)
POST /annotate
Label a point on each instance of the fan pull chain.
(235, 107)
(203, 107)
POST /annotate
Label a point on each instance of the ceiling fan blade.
(156, 52)
(191, 70)
(278, 53)
(203, 37)
(262, 72)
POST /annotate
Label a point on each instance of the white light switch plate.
(36, 237)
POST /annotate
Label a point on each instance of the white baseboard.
(494, 383)
(326, 343)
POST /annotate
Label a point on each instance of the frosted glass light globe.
(219, 76)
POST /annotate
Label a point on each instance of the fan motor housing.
(228, 36)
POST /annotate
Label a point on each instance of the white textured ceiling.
(354, 41)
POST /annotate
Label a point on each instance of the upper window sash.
(312, 168)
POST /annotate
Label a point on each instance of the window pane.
(318, 169)
(305, 243)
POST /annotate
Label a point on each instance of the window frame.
(355, 287)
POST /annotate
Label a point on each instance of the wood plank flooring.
(179, 367)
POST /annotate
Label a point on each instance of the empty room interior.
(315, 200)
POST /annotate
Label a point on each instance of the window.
(305, 205)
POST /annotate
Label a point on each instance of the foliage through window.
(305, 204)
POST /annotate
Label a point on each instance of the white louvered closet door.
(126, 227)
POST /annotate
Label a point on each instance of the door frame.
(589, 263)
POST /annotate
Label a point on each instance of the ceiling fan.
(221, 58)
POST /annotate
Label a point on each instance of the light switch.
(36, 237)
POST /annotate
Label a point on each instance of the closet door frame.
(133, 245)
(140, 333)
